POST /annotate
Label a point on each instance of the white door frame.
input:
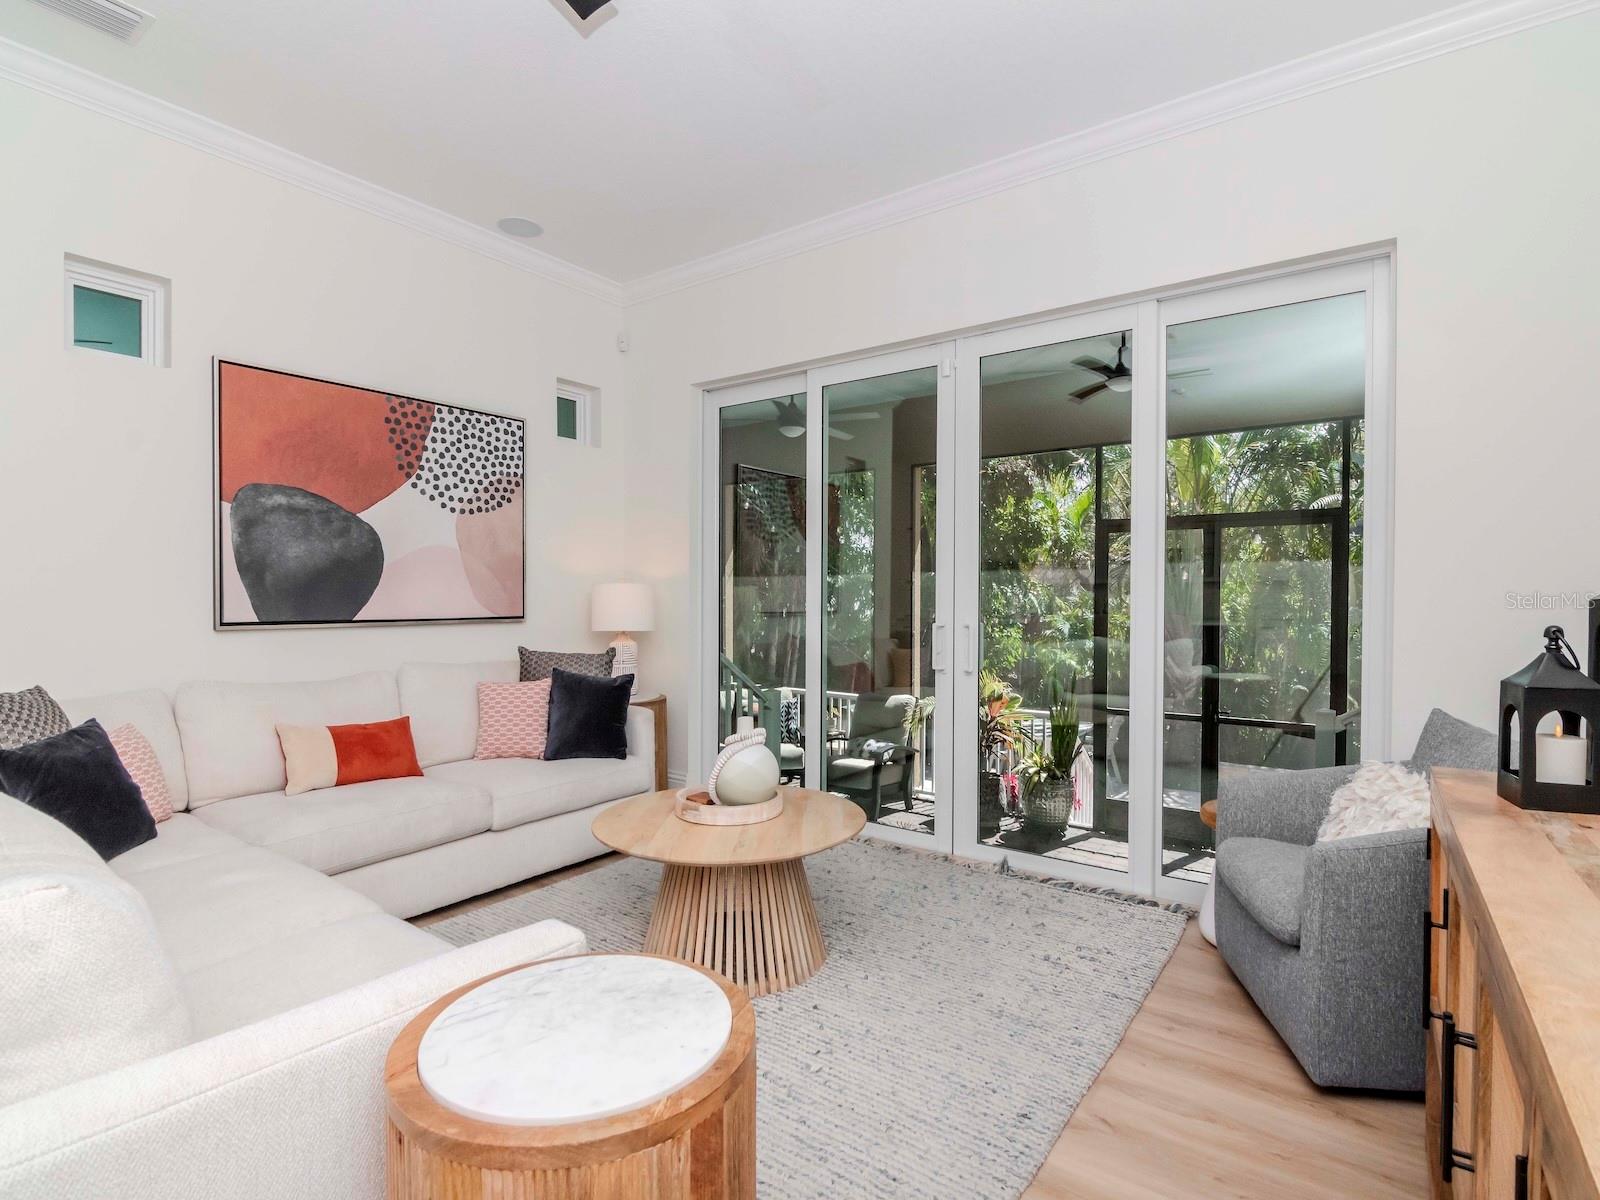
(940, 357)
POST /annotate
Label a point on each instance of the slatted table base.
(754, 925)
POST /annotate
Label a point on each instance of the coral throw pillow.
(513, 719)
(134, 750)
(324, 756)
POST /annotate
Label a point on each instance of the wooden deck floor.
(1202, 1101)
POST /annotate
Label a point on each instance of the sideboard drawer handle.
(1428, 926)
(1451, 1159)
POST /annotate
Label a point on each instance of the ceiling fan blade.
(858, 416)
(1189, 373)
(1093, 364)
(1082, 394)
(840, 434)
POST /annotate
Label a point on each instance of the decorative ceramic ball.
(745, 771)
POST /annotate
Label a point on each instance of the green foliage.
(1001, 722)
(1053, 763)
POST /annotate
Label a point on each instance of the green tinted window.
(103, 321)
(566, 417)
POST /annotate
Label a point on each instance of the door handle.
(969, 648)
(941, 648)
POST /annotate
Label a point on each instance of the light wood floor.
(1202, 1100)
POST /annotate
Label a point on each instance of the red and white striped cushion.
(134, 749)
(513, 719)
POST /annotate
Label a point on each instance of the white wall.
(105, 463)
(1481, 165)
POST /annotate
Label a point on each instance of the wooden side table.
(555, 1080)
(658, 706)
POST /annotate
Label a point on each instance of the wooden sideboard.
(1513, 997)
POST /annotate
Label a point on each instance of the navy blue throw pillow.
(77, 778)
(588, 716)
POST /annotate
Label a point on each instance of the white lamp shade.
(622, 607)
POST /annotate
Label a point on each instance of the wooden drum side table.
(735, 898)
(600, 1077)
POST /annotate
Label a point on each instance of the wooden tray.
(725, 814)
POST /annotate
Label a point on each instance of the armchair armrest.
(1363, 892)
(289, 1106)
(1361, 909)
(1286, 806)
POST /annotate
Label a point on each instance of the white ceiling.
(679, 128)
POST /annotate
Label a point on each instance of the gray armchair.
(1324, 936)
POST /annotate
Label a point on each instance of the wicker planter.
(1048, 804)
(990, 810)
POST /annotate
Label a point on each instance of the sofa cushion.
(325, 756)
(214, 906)
(525, 789)
(335, 829)
(1447, 741)
(183, 836)
(150, 712)
(87, 984)
(442, 701)
(78, 779)
(28, 716)
(1268, 880)
(229, 730)
(302, 966)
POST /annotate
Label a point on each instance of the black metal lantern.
(1566, 780)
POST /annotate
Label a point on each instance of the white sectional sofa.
(207, 1014)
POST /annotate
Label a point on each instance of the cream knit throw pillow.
(1379, 798)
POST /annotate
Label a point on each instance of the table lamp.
(623, 608)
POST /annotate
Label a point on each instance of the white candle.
(1561, 759)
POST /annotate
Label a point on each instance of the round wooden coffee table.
(608, 1076)
(735, 898)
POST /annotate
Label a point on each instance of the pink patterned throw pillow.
(141, 763)
(513, 719)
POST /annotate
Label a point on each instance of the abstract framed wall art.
(341, 505)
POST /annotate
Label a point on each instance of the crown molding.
(1441, 33)
(44, 73)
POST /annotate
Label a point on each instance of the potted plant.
(1002, 733)
(1046, 771)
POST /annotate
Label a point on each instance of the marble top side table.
(603, 1075)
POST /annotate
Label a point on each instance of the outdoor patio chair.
(873, 758)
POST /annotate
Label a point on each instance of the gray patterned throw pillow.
(29, 716)
(537, 664)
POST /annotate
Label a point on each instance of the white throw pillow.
(1379, 798)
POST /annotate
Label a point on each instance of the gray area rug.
(960, 1017)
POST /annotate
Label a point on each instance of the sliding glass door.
(1266, 414)
(1039, 594)
(884, 567)
(1052, 462)
(760, 568)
